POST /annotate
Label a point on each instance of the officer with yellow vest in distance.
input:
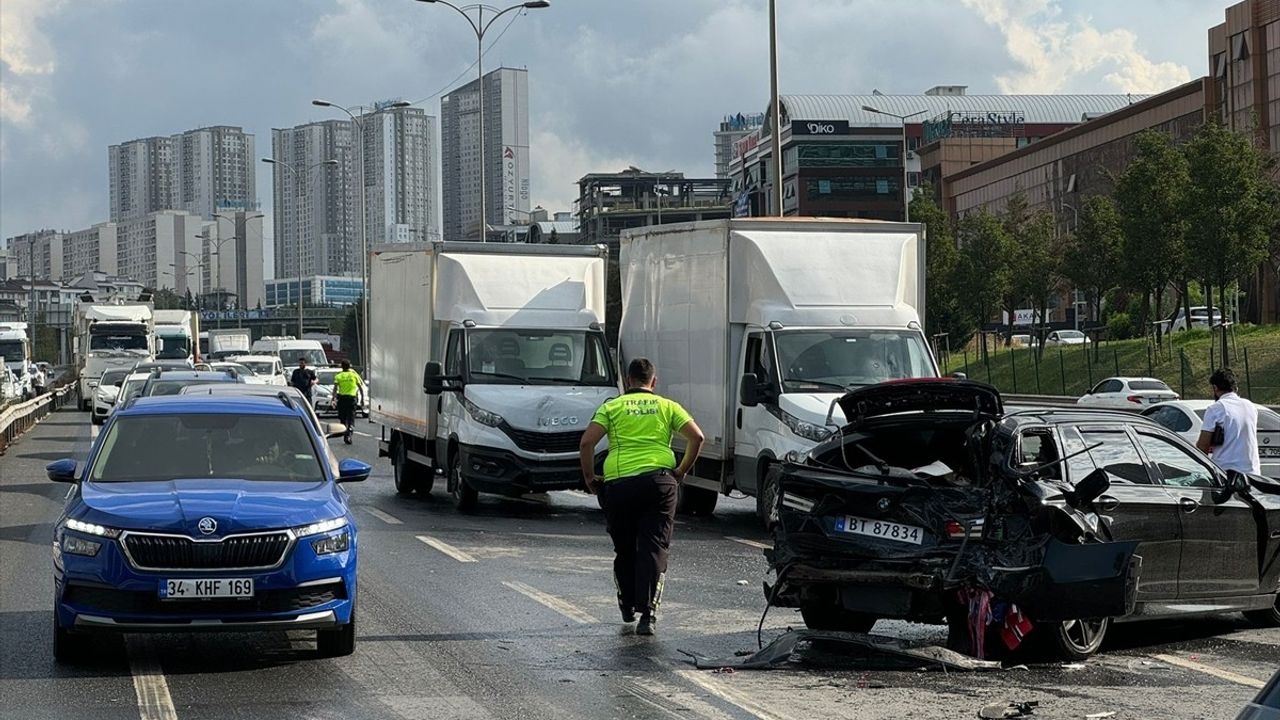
(346, 390)
(639, 489)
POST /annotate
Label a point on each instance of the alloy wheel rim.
(1083, 634)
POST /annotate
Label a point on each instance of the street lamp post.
(362, 326)
(195, 341)
(775, 110)
(480, 27)
(298, 220)
(906, 193)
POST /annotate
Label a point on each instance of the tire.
(1073, 640)
(696, 501)
(767, 498)
(410, 477)
(68, 648)
(338, 642)
(826, 616)
(1265, 618)
(97, 420)
(465, 497)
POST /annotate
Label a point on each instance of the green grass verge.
(1184, 362)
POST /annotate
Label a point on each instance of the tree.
(1091, 258)
(943, 314)
(1014, 219)
(166, 299)
(983, 270)
(1150, 195)
(1037, 262)
(1229, 206)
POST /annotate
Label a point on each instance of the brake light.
(1135, 399)
(954, 529)
(957, 530)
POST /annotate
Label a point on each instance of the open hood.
(920, 395)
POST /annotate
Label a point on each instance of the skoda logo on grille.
(207, 526)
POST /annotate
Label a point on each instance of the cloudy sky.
(612, 82)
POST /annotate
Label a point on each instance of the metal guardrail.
(19, 418)
(1062, 401)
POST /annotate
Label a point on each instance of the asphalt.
(509, 613)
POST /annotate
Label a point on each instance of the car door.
(1219, 531)
(748, 421)
(449, 404)
(1139, 507)
(1101, 395)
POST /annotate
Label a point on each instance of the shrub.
(1120, 326)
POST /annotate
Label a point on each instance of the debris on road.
(858, 648)
(1100, 715)
(1003, 709)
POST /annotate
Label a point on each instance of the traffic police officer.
(639, 488)
(346, 389)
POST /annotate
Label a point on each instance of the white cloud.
(558, 162)
(1052, 52)
(26, 55)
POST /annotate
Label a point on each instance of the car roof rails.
(288, 401)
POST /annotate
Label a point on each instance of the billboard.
(974, 123)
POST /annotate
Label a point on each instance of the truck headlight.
(803, 428)
(80, 546)
(332, 544)
(482, 416)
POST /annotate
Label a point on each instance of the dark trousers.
(347, 411)
(640, 514)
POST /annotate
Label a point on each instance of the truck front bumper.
(504, 473)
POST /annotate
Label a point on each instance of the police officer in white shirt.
(1235, 422)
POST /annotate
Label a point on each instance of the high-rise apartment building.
(232, 257)
(316, 211)
(198, 171)
(400, 158)
(153, 250)
(36, 253)
(506, 150)
(90, 250)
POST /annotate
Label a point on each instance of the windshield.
(240, 369)
(837, 359)
(314, 357)
(325, 377)
(13, 350)
(539, 357)
(149, 448)
(113, 377)
(1071, 335)
(260, 367)
(110, 341)
(1148, 385)
(173, 348)
(173, 387)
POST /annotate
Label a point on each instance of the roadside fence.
(20, 417)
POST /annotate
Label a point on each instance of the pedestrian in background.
(640, 486)
(303, 378)
(1230, 429)
(346, 388)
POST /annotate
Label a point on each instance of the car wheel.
(827, 616)
(1265, 618)
(97, 420)
(695, 500)
(465, 497)
(1075, 639)
(68, 648)
(767, 498)
(339, 642)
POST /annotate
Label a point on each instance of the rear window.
(1268, 420)
(1148, 385)
(113, 377)
(149, 448)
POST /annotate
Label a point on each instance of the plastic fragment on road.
(1100, 715)
(996, 711)
(743, 583)
(857, 648)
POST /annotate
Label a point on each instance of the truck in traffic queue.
(174, 332)
(489, 362)
(227, 343)
(108, 336)
(758, 326)
(15, 349)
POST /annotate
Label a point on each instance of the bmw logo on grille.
(207, 526)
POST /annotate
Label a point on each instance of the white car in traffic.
(106, 394)
(1186, 417)
(244, 372)
(1199, 319)
(1128, 393)
(268, 368)
(1066, 337)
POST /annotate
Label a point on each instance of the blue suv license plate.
(198, 589)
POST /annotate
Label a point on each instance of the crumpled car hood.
(920, 395)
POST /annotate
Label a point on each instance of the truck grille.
(170, 552)
(544, 442)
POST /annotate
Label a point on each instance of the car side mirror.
(63, 470)
(1089, 489)
(960, 376)
(434, 379)
(333, 430)
(352, 470)
(1237, 482)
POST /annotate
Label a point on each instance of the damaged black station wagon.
(1031, 529)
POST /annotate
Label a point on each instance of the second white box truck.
(757, 326)
(487, 361)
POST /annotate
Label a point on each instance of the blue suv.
(206, 512)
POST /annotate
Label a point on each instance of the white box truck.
(488, 362)
(110, 336)
(757, 327)
(223, 344)
(15, 349)
(174, 332)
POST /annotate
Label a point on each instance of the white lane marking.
(563, 607)
(749, 543)
(387, 518)
(152, 690)
(447, 549)
(361, 434)
(1210, 670)
(735, 698)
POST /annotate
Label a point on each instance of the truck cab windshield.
(173, 348)
(13, 350)
(539, 357)
(109, 341)
(833, 360)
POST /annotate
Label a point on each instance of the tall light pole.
(195, 341)
(298, 219)
(906, 192)
(775, 110)
(480, 26)
(362, 326)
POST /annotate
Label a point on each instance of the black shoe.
(646, 625)
(347, 438)
(628, 616)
